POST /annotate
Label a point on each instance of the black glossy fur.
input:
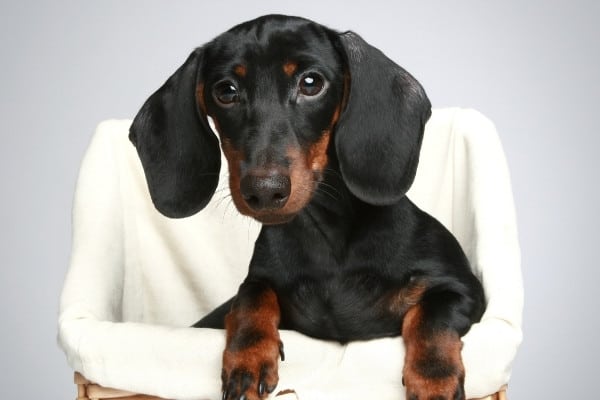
(346, 253)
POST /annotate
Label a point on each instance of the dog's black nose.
(269, 191)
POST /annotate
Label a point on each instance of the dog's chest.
(340, 307)
(330, 286)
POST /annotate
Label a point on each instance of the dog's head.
(285, 94)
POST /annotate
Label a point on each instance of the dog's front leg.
(253, 347)
(433, 367)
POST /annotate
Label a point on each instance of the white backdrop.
(532, 67)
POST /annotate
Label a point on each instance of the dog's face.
(285, 94)
(274, 90)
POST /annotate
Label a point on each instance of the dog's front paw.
(251, 373)
(434, 380)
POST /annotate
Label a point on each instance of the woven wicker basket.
(87, 390)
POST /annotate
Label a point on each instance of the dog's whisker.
(222, 198)
(331, 171)
(249, 222)
(231, 208)
(325, 192)
(227, 207)
(329, 189)
(221, 190)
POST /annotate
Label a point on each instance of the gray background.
(533, 67)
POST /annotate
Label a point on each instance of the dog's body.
(322, 134)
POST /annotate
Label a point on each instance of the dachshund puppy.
(322, 134)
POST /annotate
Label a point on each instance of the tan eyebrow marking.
(289, 68)
(240, 70)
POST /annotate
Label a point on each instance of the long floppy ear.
(179, 152)
(379, 134)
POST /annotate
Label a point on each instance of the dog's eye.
(226, 93)
(311, 84)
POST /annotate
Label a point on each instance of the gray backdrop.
(531, 66)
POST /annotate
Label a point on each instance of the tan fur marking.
(302, 179)
(263, 317)
(303, 169)
(290, 68)
(317, 154)
(258, 356)
(300, 176)
(336, 116)
(200, 97)
(400, 302)
(234, 160)
(240, 70)
(437, 348)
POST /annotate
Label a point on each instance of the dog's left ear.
(379, 134)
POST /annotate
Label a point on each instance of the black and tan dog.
(322, 134)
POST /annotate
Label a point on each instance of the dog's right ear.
(179, 152)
